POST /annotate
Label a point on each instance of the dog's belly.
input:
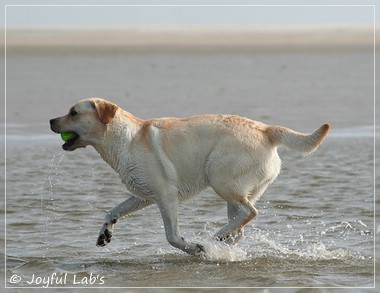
(141, 183)
(191, 188)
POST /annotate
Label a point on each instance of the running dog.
(166, 160)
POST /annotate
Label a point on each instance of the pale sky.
(66, 16)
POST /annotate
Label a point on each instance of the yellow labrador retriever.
(168, 159)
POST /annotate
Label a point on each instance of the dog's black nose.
(52, 122)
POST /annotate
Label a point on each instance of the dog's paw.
(104, 238)
(231, 239)
(201, 249)
(222, 238)
(197, 250)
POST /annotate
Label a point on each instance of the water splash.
(302, 249)
(262, 244)
(222, 252)
(53, 170)
(47, 197)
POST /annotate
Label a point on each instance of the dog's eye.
(73, 112)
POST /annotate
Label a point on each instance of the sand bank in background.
(149, 39)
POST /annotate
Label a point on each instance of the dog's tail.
(304, 143)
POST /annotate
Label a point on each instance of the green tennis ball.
(67, 135)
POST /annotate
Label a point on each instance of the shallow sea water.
(303, 236)
(315, 226)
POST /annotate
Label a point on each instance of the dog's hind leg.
(169, 210)
(233, 212)
(128, 206)
(239, 214)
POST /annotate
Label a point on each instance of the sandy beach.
(192, 39)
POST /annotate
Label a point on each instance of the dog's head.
(88, 119)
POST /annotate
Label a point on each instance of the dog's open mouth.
(70, 142)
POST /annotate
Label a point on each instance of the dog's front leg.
(128, 206)
(169, 211)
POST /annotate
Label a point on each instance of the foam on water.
(354, 132)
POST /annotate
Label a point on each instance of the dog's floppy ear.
(106, 110)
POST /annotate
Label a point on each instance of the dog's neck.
(117, 138)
